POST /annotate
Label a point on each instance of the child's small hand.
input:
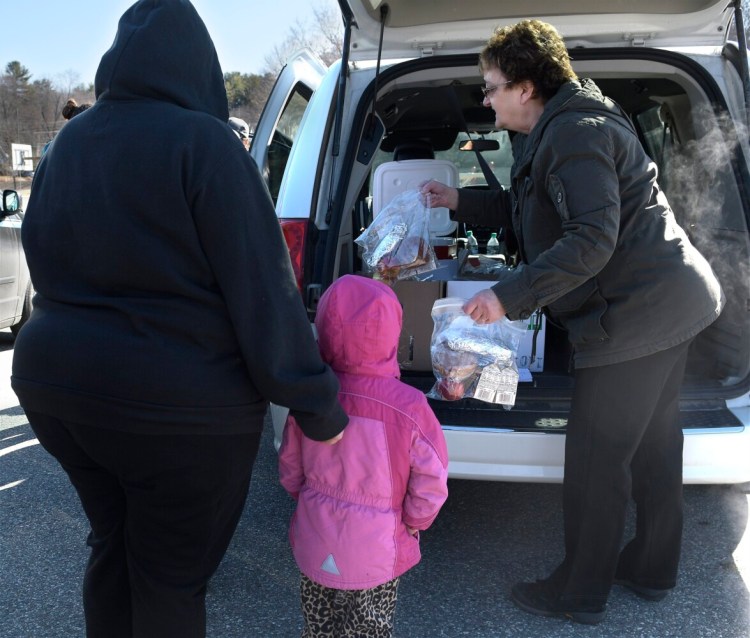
(335, 439)
(412, 531)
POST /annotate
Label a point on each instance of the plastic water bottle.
(493, 245)
(471, 243)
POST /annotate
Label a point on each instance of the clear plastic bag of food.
(396, 245)
(472, 360)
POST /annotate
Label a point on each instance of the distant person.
(242, 130)
(362, 502)
(72, 108)
(161, 330)
(69, 111)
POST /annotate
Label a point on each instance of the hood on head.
(359, 323)
(162, 51)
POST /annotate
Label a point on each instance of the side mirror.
(11, 202)
(479, 145)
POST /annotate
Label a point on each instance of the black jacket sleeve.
(483, 207)
(243, 242)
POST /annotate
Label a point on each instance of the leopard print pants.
(338, 613)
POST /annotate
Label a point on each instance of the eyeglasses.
(489, 90)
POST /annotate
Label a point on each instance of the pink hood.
(359, 324)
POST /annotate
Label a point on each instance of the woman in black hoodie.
(166, 318)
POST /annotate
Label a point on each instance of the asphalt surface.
(488, 536)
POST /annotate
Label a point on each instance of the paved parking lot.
(488, 536)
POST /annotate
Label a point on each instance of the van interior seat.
(415, 149)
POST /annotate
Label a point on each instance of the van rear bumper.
(718, 455)
(710, 456)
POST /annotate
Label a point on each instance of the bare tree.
(331, 29)
(324, 37)
(49, 103)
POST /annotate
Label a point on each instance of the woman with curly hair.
(600, 251)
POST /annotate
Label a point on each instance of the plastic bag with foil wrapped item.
(396, 245)
(472, 360)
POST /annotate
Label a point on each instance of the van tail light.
(295, 234)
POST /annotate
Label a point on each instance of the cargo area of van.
(427, 115)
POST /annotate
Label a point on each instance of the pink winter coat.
(357, 497)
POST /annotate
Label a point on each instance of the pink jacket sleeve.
(428, 480)
(290, 458)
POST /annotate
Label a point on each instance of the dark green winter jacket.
(600, 249)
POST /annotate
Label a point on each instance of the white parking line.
(18, 446)
(741, 554)
(9, 485)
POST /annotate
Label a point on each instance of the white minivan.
(407, 89)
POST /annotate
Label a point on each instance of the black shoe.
(538, 598)
(647, 593)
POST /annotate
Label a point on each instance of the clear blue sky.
(54, 37)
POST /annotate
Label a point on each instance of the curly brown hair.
(529, 50)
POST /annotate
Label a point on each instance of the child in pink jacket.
(362, 501)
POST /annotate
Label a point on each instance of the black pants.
(162, 510)
(623, 440)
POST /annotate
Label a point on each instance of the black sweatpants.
(623, 441)
(162, 510)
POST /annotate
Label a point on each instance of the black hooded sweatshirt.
(165, 299)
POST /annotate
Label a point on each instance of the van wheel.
(26, 311)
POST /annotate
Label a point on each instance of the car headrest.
(417, 149)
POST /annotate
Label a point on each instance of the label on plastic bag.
(497, 385)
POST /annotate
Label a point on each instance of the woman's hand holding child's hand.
(335, 439)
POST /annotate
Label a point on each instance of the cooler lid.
(393, 178)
